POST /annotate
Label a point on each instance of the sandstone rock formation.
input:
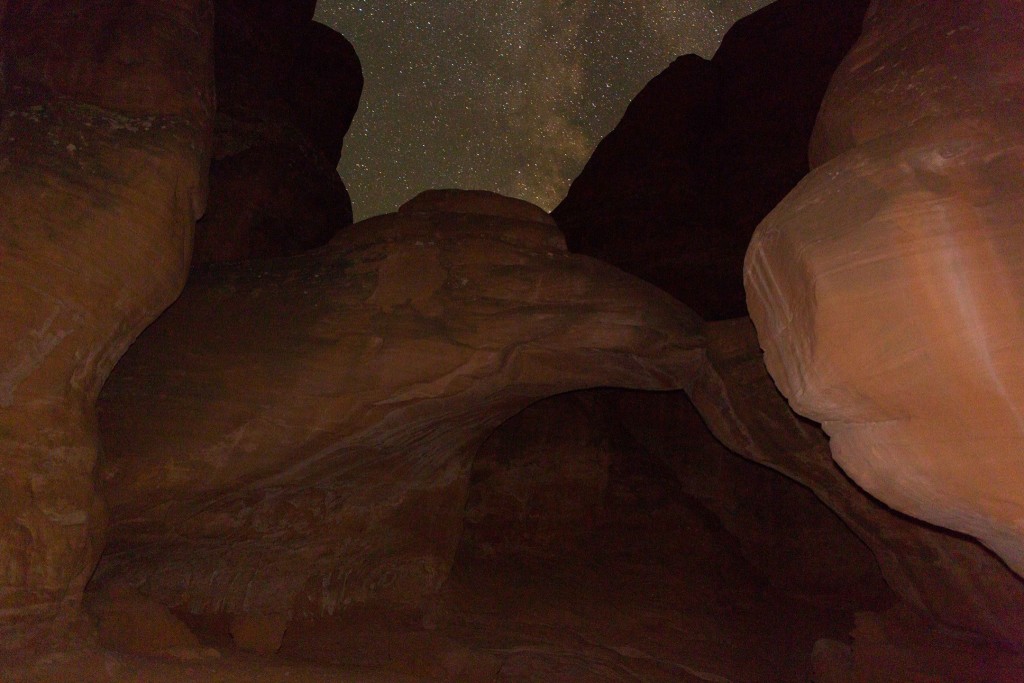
(543, 486)
(290, 453)
(129, 622)
(324, 88)
(287, 89)
(706, 150)
(540, 487)
(643, 551)
(887, 288)
(953, 579)
(294, 436)
(103, 157)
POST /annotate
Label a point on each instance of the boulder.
(706, 150)
(477, 202)
(947, 576)
(104, 146)
(294, 436)
(132, 623)
(887, 288)
(287, 89)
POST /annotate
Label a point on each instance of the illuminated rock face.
(888, 288)
(295, 435)
(952, 578)
(103, 158)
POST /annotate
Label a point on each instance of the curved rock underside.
(103, 159)
(948, 576)
(887, 288)
(295, 435)
(547, 484)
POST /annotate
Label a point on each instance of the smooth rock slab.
(887, 289)
(295, 435)
(945, 574)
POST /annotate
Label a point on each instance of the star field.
(505, 95)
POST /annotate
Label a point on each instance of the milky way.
(503, 95)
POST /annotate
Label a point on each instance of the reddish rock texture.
(103, 155)
(706, 150)
(552, 481)
(139, 58)
(952, 578)
(132, 623)
(541, 488)
(308, 447)
(290, 452)
(899, 645)
(887, 288)
(287, 89)
(476, 202)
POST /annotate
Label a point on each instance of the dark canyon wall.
(104, 154)
(706, 150)
(287, 89)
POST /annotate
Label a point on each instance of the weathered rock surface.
(287, 89)
(706, 150)
(540, 480)
(899, 645)
(103, 151)
(781, 528)
(139, 58)
(295, 435)
(887, 289)
(953, 578)
(540, 487)
(478, 202)
(132, 623)
(551, 482)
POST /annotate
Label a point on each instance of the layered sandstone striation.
(887, 288)
(706, 150)
(287, 90)
(294, 436)
(945, 575)
(365, 456)
(540, 488)
(104, 146)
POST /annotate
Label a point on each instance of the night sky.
(503, 95)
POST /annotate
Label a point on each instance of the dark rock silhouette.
(287, 90)
(706, 150)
